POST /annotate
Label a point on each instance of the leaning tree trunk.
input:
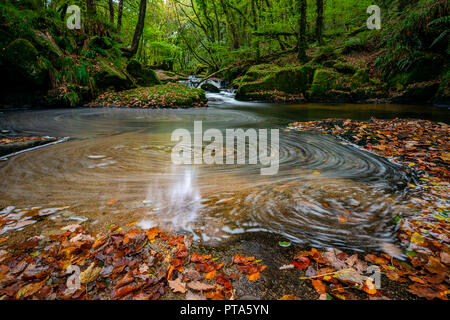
(302, 31)
(319, 22)
(129, 52)
(119, 16)
(111, 11)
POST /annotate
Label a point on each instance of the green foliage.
(418, 30)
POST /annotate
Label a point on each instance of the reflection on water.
(327, 192)
(178, 205)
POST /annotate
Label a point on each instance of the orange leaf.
(211, 274)
(112, 201)
(254, 276)
(319, 286)
(289, 297)
(152, 233)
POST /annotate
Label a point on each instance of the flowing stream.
(125, 155)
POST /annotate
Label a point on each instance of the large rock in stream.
(265, 78)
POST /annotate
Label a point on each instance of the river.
(117, 166)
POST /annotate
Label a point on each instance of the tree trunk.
(302, 31)
(119, 16)
(319, 22)
(129, 52)
(111, 11)
(91, 8)
(231, 26)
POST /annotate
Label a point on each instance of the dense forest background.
(222, 38)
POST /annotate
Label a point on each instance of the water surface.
(125, 154)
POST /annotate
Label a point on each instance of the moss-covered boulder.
(144, 76)
(265, 78)
(171, 95)
(344, 68)
(443, 93)
(47, 44)
(425, 68)
(325, 53)
(421, 92)
(207, 86)
(109, 76)
(24, 66)
(360, 78)
(323, 82)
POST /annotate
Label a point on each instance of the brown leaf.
(177, 285)
(374, 259)
(123, 291)
(90, 274)
(200, 286)
(427, 292)
(434, 265)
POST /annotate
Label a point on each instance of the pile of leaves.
(12, 218)
(171, 95)
(423, 148)
(136, 265)
(335, 274)
(275, 96)
(22, 139)
(421, 144)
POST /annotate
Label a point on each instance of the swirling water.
(126, 154)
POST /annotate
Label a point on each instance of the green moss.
(47, 45)
(144, 76)
(171, 95)
(324, 80)
(360, 78)
(443, 93)
(325, 53)
(352, 44)
(344, 68)
(110, 76)
(23, 63)
(267, 77)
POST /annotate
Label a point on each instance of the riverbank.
(124, 262)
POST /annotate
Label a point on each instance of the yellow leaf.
(90, 274)
(316, 172)
(29, 289)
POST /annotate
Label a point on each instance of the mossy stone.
(324, 80)
(144, 76)
(24, 64)
(110, 76)
(360, 78)
(344, 68)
